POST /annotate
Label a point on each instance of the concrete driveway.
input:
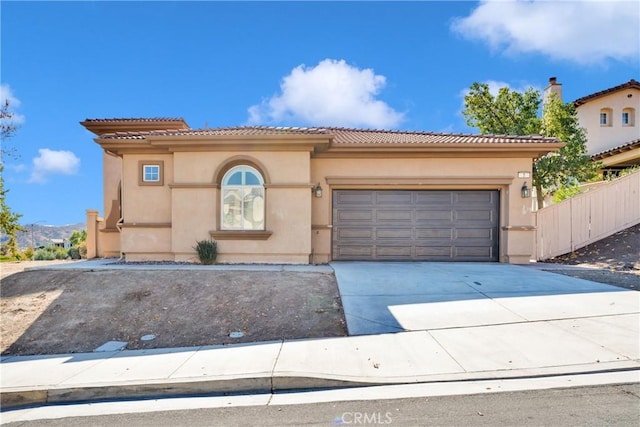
(393, 297)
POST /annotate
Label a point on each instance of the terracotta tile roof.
(134, 124)
(615, 150)
(631, 84)
(343, 136)
(228, 131)
(135, 120)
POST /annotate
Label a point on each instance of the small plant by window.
(207, 251)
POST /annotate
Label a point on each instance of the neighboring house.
(312, 195)
(611, 118)
(61, 243)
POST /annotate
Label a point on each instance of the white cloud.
(16, 167)
(51, 162)
(333, 93)
(584, 32)
(6, 94)
(496, 85)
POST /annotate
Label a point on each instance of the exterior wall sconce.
(525, 192)
(317, 190)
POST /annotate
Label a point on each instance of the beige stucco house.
(312, 195)
(611, 118)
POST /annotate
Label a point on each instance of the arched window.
(628, 116)
(242, 199)
(605, 116)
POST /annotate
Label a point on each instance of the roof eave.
(457, 147)
(102, 127)
(631, 84)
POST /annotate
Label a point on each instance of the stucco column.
(92, 233)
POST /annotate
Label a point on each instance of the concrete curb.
(111, 264)
(14, 398)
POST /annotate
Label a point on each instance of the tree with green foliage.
(515, 113)
(77, 237)
(78, 242)
(508, 113)
(8, 219)
(569, 165)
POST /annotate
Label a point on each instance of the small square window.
(150, 173)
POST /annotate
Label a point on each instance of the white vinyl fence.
(587, 217)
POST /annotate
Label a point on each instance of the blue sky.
(392, 65)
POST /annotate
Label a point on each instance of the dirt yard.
(48, 311)
(614, 260)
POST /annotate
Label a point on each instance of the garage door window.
(242, 199)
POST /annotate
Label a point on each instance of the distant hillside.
(41, 234)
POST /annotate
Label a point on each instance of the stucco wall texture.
(164, 222)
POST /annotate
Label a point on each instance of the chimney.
(553, 87)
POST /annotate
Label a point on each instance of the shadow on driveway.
(388, 297)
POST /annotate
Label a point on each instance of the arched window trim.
(631, 116)
(232, 162)
(606, 117)
(248, 211)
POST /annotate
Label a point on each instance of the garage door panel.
(415, 225)
(355, 198)
(434, 233)
(433, 214)
(472, 252)
(356, 251)
(474, 215)
(355, 215)
(394, 233)
(443, 252)
(392, 198)
(393, 252)
(394, 215)
(433, 197)
(473, 233)
(356, 233)
(466, 197)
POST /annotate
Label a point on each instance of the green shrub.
(623, 172)
(82, 250)
(44, 255)
(207, 251)
(50, 253)
(566, 192)
(28, 253)
(74, 253)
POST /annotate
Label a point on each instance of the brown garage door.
(399, 225)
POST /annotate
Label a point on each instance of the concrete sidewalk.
(489, 322)
(543, 348)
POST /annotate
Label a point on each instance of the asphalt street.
(611, 405)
